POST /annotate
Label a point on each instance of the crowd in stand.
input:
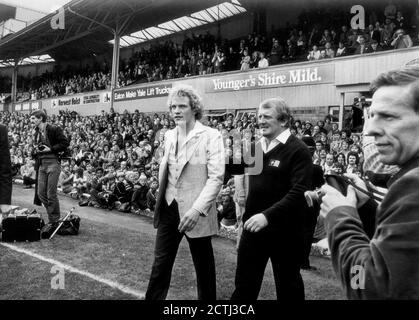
(115, 157)
(315, 36)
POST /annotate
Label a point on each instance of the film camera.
(40, 147)
(333, 179)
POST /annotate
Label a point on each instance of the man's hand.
(256, 223)
(356, 180)
(189, 220)
(333, 198)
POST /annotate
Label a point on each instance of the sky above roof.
(46, 6)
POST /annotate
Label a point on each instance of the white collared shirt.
(282, 137)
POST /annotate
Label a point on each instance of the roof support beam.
(166, 29)
(177, 25)
(148, 33)
(92, 20)
(139, 38)
(195, 18)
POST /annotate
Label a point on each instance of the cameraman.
(50, 143)
(385, 266)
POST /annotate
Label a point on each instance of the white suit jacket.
(200, 179)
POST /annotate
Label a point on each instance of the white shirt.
(282, 137)
(263, 63)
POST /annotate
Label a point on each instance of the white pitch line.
(110, 283)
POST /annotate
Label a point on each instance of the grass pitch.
(119, 248)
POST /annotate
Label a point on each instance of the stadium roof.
(30, 60)
(212, 14)
(89, 25)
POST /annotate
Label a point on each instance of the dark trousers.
(48, 174)
(255, 249)
(167, 244)
(310, 221)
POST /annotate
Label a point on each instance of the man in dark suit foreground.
(386, 265)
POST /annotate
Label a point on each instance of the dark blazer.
(59, 143)
(5, 168)
(56, 137)
(390, 259)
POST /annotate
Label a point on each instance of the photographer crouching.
(51, 143)
(385, 265)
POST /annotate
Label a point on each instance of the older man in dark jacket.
(385, 266)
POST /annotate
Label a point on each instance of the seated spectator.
(263, 62)
(79, 184)
(336, 142)
(330, 53)
(65, 180)
(323, 55)
(152, 195)
(28, 173)
(322, 158)
(314, 54)
(254, 60)
(363, 46)
(96, 187)
(401, 40)
(329, 163)
(318, 147)
(107, 196)
(341, 161)
(387, 34)
(353, 163)
(139, 197)
(226, 209)
(374, 34)
(307, 129)
(123, 192)
(341, 50)
(375, 46)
